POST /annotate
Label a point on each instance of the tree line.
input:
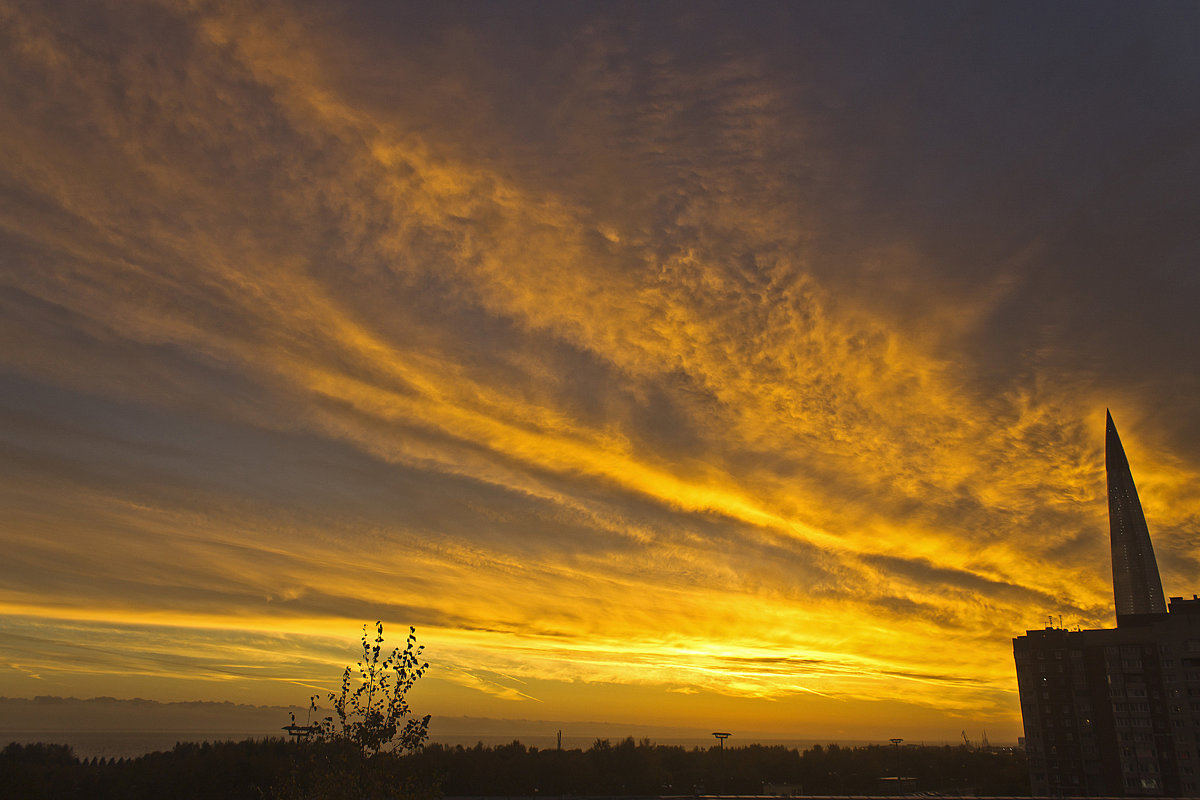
(275, 768)
(645, 768)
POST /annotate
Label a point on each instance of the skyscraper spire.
(1136, 584)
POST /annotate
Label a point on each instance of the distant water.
(131, 744)
(585, 742)
(124, 744)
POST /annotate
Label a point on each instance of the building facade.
(1116, 712)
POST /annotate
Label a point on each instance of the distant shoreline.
(106, 727)
(88, 744)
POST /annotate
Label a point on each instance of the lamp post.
(896, 744)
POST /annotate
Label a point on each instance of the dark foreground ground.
(275, 768)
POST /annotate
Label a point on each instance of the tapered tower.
(1104, 709)
(1136, 584)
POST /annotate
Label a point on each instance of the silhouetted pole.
(896, 744)
(721, 737)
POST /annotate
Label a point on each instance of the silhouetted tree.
(359, 752)
(375, 714)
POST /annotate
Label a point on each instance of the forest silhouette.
(276, 768)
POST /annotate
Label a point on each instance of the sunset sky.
(732, 366)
